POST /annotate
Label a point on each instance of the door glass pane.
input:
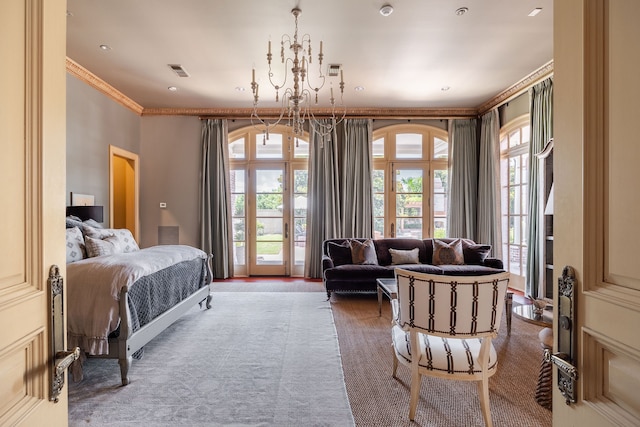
(236, 149)
(238, 211)
(300, 183)
(378, 203)
(301, 150)
(408, 146)
(269, 217)
(440, 205)
(409, 203)
(269, 148)
(378, 148)
(440, 148)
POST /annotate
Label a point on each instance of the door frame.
(130, 186)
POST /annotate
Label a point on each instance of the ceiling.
(403, 60)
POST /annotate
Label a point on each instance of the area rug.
(377, 399)
(254, 359)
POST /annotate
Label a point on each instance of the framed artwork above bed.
(78, 199)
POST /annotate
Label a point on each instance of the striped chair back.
(460, 306)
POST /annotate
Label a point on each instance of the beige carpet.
(379, 400)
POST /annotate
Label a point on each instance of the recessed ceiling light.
(105, 47)
(172, 88)
(386, 10)
(240, 89)
(535, 11)
(358, 88)
(461, 11)
(445, 88)
(69, 13)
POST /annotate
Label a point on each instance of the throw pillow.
(399, 257)
(474, 253)
(126, 240)
(363, 252)
(98, 247)
(340, 254)
(447, 253)
(96, 233)
(75, 245)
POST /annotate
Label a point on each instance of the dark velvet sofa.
(340, 274)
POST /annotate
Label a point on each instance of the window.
(410, 181)
(514, 177)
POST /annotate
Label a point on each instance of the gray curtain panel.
(323, 209)
(215, 204)
(463, 178)
(541, 110)
(357, 179)
(488, 228)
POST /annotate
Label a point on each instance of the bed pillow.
(447, 253)
(98, 247)
(92, 223)
(123, 235)
(399, 257)
(363, 252)
(340, 254)
(73, 221)
(75, 245)
(475, 254)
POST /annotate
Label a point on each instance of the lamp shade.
(86, 212)
(548, 210)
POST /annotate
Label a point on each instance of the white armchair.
(451, 320)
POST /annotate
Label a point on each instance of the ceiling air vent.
(177, 68)
(334, 70)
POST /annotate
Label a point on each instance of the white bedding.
(94, 285)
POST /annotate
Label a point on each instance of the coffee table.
(388, 287)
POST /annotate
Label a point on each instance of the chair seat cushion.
(446, 355)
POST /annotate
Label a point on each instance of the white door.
(32, 173)
(597, 203)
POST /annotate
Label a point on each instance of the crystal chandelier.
(296, 98)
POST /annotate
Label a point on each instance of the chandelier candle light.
(296, 99)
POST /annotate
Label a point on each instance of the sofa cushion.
(474, 253)
(468, 270)
(421, 268)
(399, 256)
(340, 254)
(358, 273)
(447, 253)
(363, 252)
(383, 246)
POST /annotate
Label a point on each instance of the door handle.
(565, 358)
(61, 359)
(286, 230)
(393, 230)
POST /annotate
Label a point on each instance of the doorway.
(123, 190)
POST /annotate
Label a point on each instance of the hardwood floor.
(295, 284)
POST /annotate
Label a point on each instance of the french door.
(269, 220)
(269, 202)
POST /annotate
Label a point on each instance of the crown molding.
(517, 89)
(503, 97)
(97, 83)
(274, 113)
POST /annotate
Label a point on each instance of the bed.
(119, 297)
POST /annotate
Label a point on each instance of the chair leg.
(415, 393)
(483, 391)
(395, 362)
